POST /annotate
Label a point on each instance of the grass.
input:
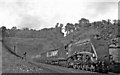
(33, 46)
(13, 64)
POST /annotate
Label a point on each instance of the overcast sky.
(38, 14)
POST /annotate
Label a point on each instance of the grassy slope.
(32, 46)
(13, 64)
(7, 61)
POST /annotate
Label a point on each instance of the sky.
(38, 14)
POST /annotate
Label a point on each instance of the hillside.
(34, 42)
(38, 41)
(22, 44)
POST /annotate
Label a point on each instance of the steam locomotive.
(90, 54)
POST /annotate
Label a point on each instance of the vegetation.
(105, 29)
(35, 42)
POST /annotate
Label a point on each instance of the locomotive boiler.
(87, 54)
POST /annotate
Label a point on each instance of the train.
(90, 54)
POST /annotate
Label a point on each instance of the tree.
(104, 21)
(115, 22)
(59, 29)
(25, 28)
(77, 26)
(56, 26)
(69, 28)
(3, 28)
(99, 24)
(3, 31)
(13, 32)
(61, 25)
(109, 21)
(13, 28)
(84, 22)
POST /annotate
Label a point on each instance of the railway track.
(23, 58)
(49, 68)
